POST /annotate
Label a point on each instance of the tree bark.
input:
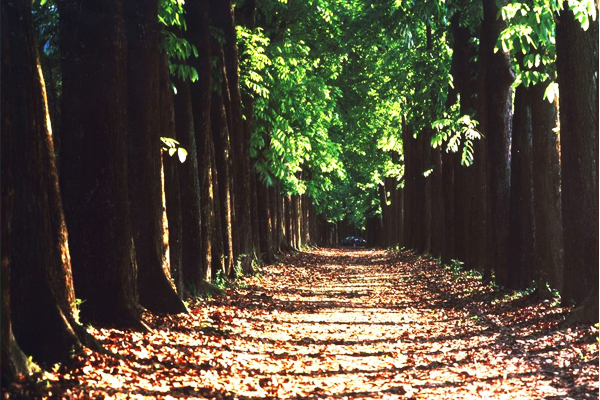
(198, 34)
(448, 193)
(438, 243)
(521, 258)
(577, 64)
(42, 297)
(219, 256)
(275, 201)
(463, 71)
(18, 69)
(500, 77)
(546, 189)
(221, 140)
(265, 227)
(156, 292)
(254, 207)
(419, 195)
(94, 162)
(240, 137)
(171, 177)
(408, 144)
(194, 260)
(426, 216)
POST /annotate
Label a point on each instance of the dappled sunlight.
(346, 324)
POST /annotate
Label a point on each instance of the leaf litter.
(341, 324)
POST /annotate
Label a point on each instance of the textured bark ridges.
(94, 178)
(144, 157)
(35, 250)
(171, 178)
(13, 362)
(577, 64)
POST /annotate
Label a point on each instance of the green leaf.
(551, 91)
(182, 154)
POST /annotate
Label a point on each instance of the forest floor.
(343, 324)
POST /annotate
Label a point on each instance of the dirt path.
(349, 324)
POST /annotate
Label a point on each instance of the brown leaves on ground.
(344, 324)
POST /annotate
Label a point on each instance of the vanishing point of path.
(349, 324)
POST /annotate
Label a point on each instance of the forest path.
(372, 324)
(344, 324)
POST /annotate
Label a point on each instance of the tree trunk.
(220, 261)
(426, 219)
(418, 203)
(254, 206)
(94, 161)
(546, 189)
(19, 85)
(577, 64)
(463, 70)
(13, 362)
(42, 297)
(276, 216)
(240, 140)
(295, 208)
(385, 213)
(448, 194)
(500, 77)
(200, 93)
(223, 165)
(438, 243)
(156, 292)
(194, 260)
(287, 218)
(265, 227)
(521, 258)
(171, 177)
(408, 223)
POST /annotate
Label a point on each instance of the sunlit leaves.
(583, 10)
(171, 13)
(458, 132)
(178, 48)
(294, 106)
(531, 33)
(253, 60)
(172, 147)
(551, 92)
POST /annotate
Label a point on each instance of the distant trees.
(266, 126)
(517, 204)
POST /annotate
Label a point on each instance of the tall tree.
(144, 163)
(546, 188)
(171, 176)
(240, 137)
(197, 19)
(577, 65)
(15, 19)
(498, 129)
(521, 258)
(193, 255)
(42, 298)
(93, 169)
(220, 125)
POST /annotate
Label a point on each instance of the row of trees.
(519, 202)
(109, 222)
(149, 146)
